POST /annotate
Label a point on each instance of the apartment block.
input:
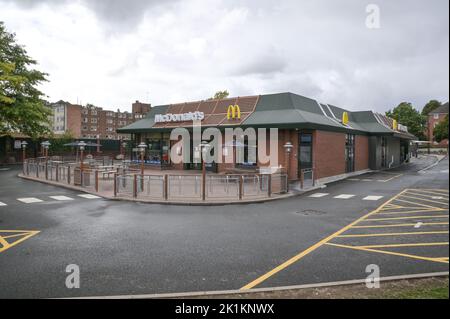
(91, 122)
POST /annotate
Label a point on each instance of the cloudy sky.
(111, 53)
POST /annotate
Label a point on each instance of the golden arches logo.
(234, 112)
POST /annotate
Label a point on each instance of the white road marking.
(367, 180)
(4, 169)
(29, 200)
(444, 171)
(318, 195)
(373, 197)
(438, 197)
(344, 196)
(61, 198)
(418, 225)
(3, 204)
(89, 196)
(353, 179)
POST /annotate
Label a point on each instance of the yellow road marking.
(27, 234)
(404, 245)
(427, 192)
(415, 211)
(393, 234)
(445, 191)
(399, 225)
(314, 247)
(409, 202)
(390, 253)
(425, 200)
(3, 242)
(408, 217)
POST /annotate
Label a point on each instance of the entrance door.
(350, 153)
(383, 152)
(305, 159)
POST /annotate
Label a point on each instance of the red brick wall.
(73, 118)
(328, 153)
(361, 152)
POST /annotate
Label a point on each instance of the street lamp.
(124, 146)
(204, 148)
(45, 145)
(288, 147)
(142, 147)
(82, 147)
(24, 146)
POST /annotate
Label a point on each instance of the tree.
(430, 106)
(22, 107)
(440, 132)
(220, 95)
(58, 142)
(407, 115)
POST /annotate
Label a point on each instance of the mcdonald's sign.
(345, 118)
(234, 112)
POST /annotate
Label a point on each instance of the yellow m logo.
(234, 112)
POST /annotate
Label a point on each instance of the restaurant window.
(250, 153)
(305, 151)
(349, 153)
(158, 148)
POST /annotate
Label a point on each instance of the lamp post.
(204, 148)
(288, 147)
(24, 147)
(124, 146)
(45, 145)
(142, 147)
(82, 147)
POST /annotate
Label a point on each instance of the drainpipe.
(392, 162)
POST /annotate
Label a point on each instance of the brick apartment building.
(434, 118)
(91, 122)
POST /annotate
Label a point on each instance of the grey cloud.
(119, 15)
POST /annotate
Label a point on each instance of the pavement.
(126, 248)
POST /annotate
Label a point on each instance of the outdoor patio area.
(124, 180)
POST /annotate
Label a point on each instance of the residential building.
(434, 118)
(91, 122)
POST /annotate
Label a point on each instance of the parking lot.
(127, 248)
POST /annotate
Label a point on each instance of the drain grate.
(308, 212)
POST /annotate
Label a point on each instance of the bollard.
(241, 187)
(135, 186)
(269, 185)
(68, 175)
(115, 184)
(57, 172)
(96, 181)
(166, 188)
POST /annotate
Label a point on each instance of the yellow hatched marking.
(25, 233)
(427, 192)
(390, 253)
(399, 225)
(393, 234)
(314, 247)
(425, 200)
(445, 200)
(404, 245)
(420, 204)
(408, 217)
(414, 211)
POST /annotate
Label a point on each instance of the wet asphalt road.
(131, 248)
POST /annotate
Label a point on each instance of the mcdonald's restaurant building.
(328, 140)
